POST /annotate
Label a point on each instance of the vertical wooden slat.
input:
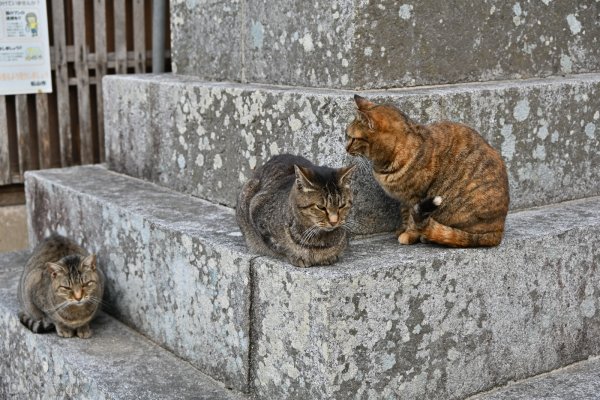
(5, 173)
(23, 134)
(100, 45)
(120, 37)
(83, 83)
(139, 36)
(62, 82)
(43, 130)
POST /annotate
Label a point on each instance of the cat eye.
(320, 207)
(89, 283)
(64, 287)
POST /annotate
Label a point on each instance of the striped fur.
(60, 289)
(414, 162)
(295, 210)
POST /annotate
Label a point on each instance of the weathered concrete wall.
(116, 363)
(424, 322)
(206, 139)
(376, 44)
(176, 266)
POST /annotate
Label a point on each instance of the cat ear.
(89, 262)
(54, 269)
(364, 119)
(362, 103)
(345, 175)
(302, 179)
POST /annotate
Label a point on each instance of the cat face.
(74, 279)
(375, 128)
(323, 197)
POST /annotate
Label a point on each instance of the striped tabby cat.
(293, 209)
(61, 288)
(447, 165)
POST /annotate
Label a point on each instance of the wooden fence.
(88, 40)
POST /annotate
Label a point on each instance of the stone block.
(424, 322)
(206, 35)
(115, 363)
(577, 381)
(177, 269)
(356, 44)
(205, 139)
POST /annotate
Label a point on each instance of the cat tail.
(35, 325)
(452, 237)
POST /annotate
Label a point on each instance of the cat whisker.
(56, 308)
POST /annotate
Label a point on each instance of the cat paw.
(300, 263)
(84, 332)
(65, 332)
(330, 261)
(408, 238)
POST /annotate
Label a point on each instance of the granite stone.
(362, 44)
(115, 363)
(425, 322)
(177, 269)
(579, 381)
(206, 139)
(386, 321)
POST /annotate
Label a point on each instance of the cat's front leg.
(84, 332)
(64, 331)
(405, 215)
(299, 262)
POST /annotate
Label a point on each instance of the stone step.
(367, 44)
(579, 381)
(386, 321)
(424, 322)
(115, 363)
(205, 139)
(175, 270)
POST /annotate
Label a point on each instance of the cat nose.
(333, 219)
(77, 294)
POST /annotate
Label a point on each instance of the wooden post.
(43, 130)
(120, 37)
(83, 83)
(5, 173)
(62, 83)
(139, 37)
(23, 133)
(100, 45)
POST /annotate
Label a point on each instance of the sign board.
(24, 47)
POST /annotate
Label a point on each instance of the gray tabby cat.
(61, 287)
(296, 210)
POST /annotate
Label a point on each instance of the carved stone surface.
(361, 44)
(176, 267)
(424, 322)
(115, 363)
(206, 139)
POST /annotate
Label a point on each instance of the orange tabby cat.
(446, 166)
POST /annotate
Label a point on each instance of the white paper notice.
(24, 47)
